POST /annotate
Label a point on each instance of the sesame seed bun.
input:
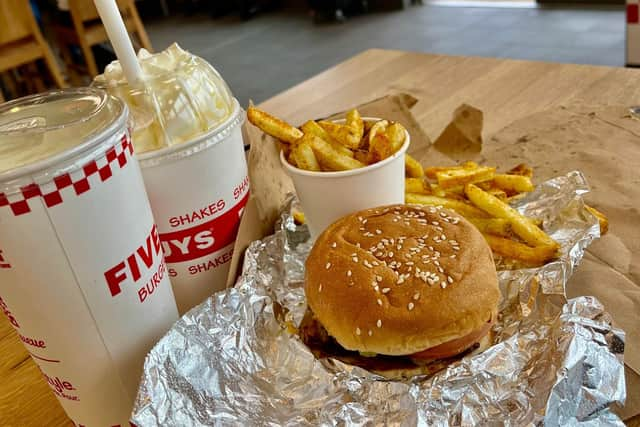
(401, 279)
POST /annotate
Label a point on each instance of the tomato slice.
(454, 347)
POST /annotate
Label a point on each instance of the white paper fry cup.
(82, 277)
(198, 191)
(327, 196)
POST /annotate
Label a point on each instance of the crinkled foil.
(234, 361)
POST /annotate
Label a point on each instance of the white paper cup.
(328, 196)
(82, 278)
(198, 190)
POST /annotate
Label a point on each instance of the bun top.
(400, 279)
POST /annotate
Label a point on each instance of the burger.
(400, 290)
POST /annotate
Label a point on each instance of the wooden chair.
(21, 41)
(88, 31)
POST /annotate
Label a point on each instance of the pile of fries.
(482, 196)
(329, 146)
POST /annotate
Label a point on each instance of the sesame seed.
(360, 218)
(443, 214)
(452, 256)
(334, 244)
(378, 231)
(456, 248)
(354, 259)
(365, 221)
(375, 263)
(443, 285)
(358, 332)
(379, 278)
(430, 248)
(441, 270)
(376, 288)
(416, 296)
(328, 265)
(370, 332)
(453, 242)
(379, 323)
(379, 302)
(320, 288)
(395, 219)
(386, 290)
(358, 245)
(390, 254)
(449, 279)
(367, 264)
(349, 273)
(435, 223)
(443, 237)
(410, 306)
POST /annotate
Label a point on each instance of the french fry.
(273, 126)
(361, 156)
(298, 217)
(378, 127)
(522, 169)
(396, 134)
(412, 168)
(379, 148)
(355, 123)
(513, 183)
(602, 219)
(495, 226)
(511, 249)
(496, 192)
(329, 158)
(303, 155)
(344, 134)
(414, 185)
(463, 208)
(460, 177)
(521, 225)
(313, 128)
(432, 171)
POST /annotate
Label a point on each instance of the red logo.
(7, 312)
(144, 256)
(204, 239)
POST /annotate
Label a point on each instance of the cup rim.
(339, 174)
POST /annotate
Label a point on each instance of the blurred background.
(262, 47)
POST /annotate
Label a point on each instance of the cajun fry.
(303, 154)
(520, 224)
(313, 128)
(431, 171)
(331, 159)
(379, 148)
(495, 226)
(513, 183)
(511, 249)
(273, 126)
(412, 168)
(463, 208)
(344, 134)
(396, 134)
(414, 185)
(460, 177)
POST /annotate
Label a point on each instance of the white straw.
(117, 32)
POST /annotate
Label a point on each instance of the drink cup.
(198, 191)
(328, 196)
(187, 134)
(82, 277)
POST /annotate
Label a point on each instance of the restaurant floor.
(274, 51)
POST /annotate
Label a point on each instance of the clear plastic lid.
(43, 126)
(183, 97)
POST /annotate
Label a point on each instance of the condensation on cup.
(82, 277)
(187, 134)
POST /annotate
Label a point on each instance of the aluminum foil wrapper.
(233, 360)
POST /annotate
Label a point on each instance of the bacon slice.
(454, 347)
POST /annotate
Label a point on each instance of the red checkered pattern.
(51, 192)
(632, 13)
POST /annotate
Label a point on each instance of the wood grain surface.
(506, 90)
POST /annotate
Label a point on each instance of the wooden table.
(505, 90)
